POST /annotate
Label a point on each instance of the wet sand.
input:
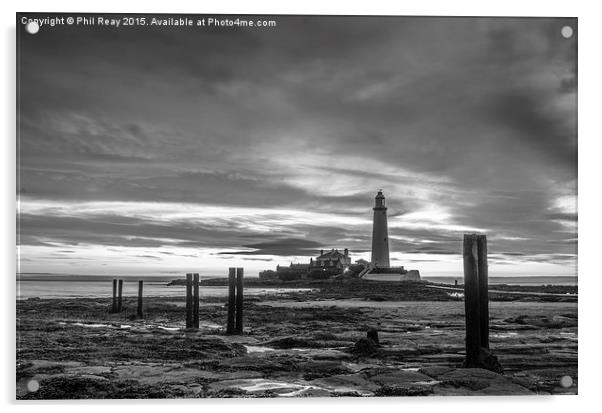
(295, 345)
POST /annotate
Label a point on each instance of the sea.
(74, 286)
(77, 286)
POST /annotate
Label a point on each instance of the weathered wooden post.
(119, 296)
(231, 300)
(472, 300)
(195, 304)
(188, 300)
(455, 283)
(140, 313)
(114, 305)
(239, 300)
(483, 290)
(476, 302)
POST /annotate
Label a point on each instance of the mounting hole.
(32, 27)
(33, 385)
(566, 381)
(567, 32)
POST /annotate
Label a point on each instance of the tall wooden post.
(119, 296)
(188, 300)
(483, 290)
(140, 313)
(114, 306)
(471, 300)
(239, 300)
(195, 304)
(231, 300)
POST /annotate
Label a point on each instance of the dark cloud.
(559, 216)
(284, 246)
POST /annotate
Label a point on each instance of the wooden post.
(140, 288)
(119, 296)
(231, 300)
(114, 306)
(239, 300)
(195, 304)
(483, 290)
(471, 300)
(188, 300)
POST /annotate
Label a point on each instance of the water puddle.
(92, 325)
(259, 349)
(281, 388)
(504, 335)
(210, 325)
(332, 352)
(163, 327)
(128, 326)
(288, 389)
(426, 383)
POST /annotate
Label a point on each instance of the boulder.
(372, 334)
(365, 347)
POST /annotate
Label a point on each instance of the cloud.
(283, 247)
(230, 140)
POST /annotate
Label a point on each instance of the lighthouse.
(380, 237)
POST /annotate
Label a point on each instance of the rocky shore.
(309, 343)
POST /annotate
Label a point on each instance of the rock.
(388, 391)
(397, 378)
(365, 347)
(293, 342)
(321, 368)
(435, 371)
(476, 382)
(372, 334)
(347, 383)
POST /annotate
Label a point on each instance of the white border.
(589, 194)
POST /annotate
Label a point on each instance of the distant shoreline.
(520, 280)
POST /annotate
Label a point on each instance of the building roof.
(331, 255)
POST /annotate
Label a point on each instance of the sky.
(170, 150)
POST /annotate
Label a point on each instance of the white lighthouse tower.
(380, 237)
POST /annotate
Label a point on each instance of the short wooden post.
(114, 305)
(119, 296)
(140, 313)
(188, 300)
(483, 290)
(195, 304)
(471, 300)
(455, 283)
(239, 300)
(231, 300)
